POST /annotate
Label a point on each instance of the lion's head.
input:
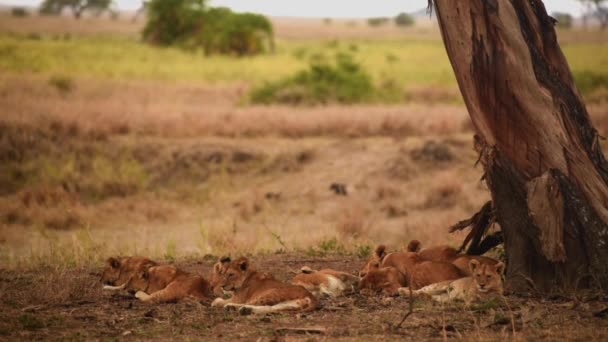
(488, 278)
(111, 272)
(216, 275)
(234, 273)
(375, 261)
(118, 271)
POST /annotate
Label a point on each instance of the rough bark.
(543, 163)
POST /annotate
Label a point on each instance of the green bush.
(173, 21)
(404, 19)
(191, 24)
(343, 81)
(226, 32)
(377, 21)
(19, 12)
(589, 81)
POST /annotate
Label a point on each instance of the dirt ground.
(70, 305)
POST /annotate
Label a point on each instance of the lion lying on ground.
(485, 282)
(387, 280)
(258, 292)
(418, 272)
(327, 282)
(167, 283)
(443, 253)
(118, 271)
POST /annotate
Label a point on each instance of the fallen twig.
(411, 306)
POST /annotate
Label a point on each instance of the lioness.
(167, 283)
(421, 272)
(327, 282)
(118, 271)
(485, 281)
(258, 292)
(444, 253)
(385, 279)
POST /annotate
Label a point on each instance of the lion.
(119, 270)
(216, 274)
(444, 253)
(387, 280)
(259, 292)
(167, 283)
(485, 282)
(417, 270)
(325, 282)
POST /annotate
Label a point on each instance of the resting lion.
(421, 272)
(118, 271)
(326, 282)
(259, 292)
(167, 283)
(485, 282)
(444, 253)
(387, 280)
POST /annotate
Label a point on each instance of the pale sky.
(323, 8)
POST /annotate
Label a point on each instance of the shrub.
(344, 81)
(191, 24)
(404, 19)
(588, 81)
(242, 34)
(172, 21)
(19, 12)
(375, 22)
(564, 20)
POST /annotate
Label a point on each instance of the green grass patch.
(395, 62)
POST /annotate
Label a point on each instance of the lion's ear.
(380, 251)
(243, 264)
(306, 270)
(113, 262)
(499, 267)
(414, 246)
(473, 264)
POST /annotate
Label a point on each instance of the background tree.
(404, 19)
(78, 7)
(541, 155)
(597, 9)
(564, 20)
(173, 21)
(191, 24)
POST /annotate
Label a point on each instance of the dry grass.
(190, 110)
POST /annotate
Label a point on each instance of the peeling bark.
(542, 160)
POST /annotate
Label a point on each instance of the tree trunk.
(542, 159)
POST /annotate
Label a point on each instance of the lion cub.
(443, 253)
(259, 292)
(167, 283)
(326, 282)
(485, 282)
(421, 272)
(119, 271)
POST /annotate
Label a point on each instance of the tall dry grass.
(192, 110)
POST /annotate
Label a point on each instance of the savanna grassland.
(110, 146)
